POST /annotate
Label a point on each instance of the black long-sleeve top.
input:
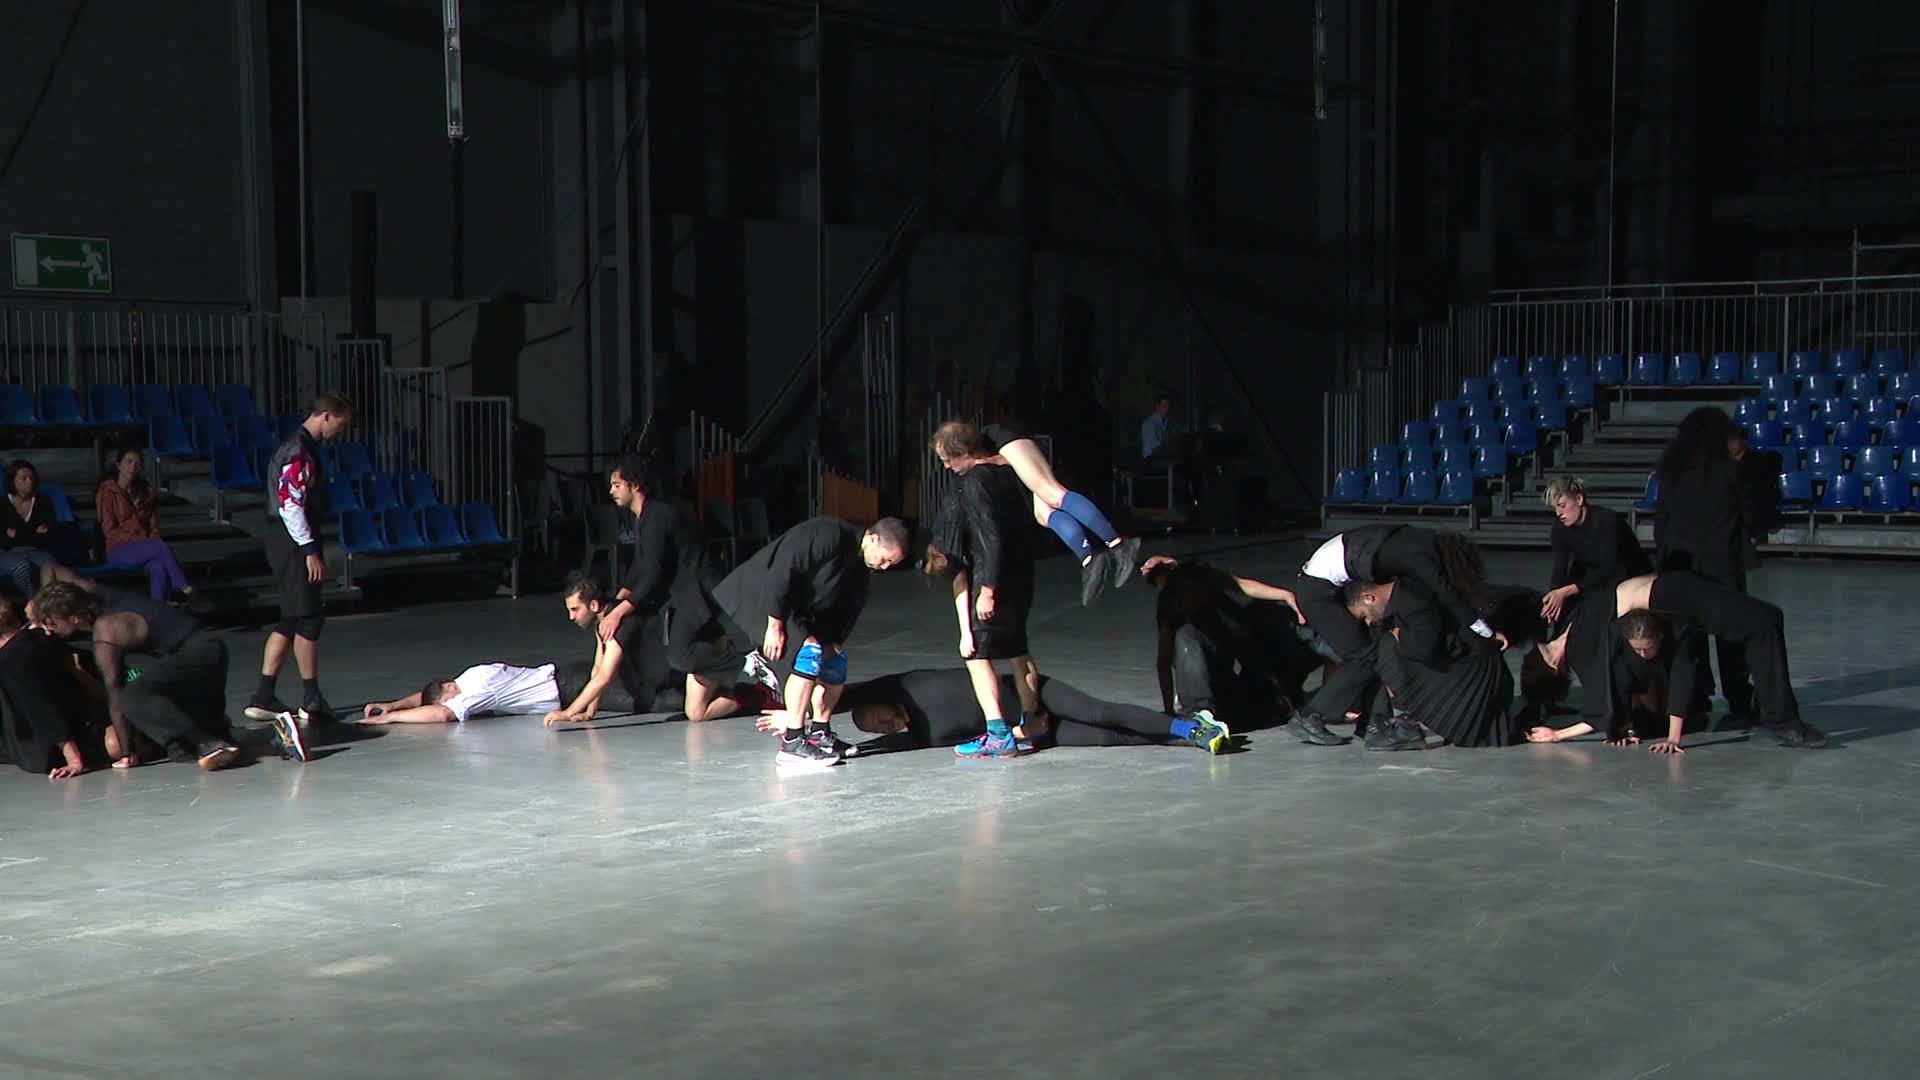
(25, 528)
(812, 573)
(1701, 524)
(1596, 554)
(41, 703)
(664, 543)
(993, 506)
(1429, 633)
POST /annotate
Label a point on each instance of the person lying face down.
(481, 690)
(936, 707)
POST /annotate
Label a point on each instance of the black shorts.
(299, 597)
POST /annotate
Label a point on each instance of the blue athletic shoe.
(994, 746)
(1210, 734)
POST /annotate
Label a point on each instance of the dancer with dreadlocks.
(1701, 526)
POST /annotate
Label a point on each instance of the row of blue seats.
(398, 530)
(1687, 368)
(1390, 487)
(109, 406)
(380, 492)
(1801, 490)
(1824, 462)
(1848, 434)
(1487, 422)
(1487, 460)
(1877, 412)
(1575, 392)
(1783, 386)
(202, 436)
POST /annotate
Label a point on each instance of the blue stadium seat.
(1489, 461)
(167, 438)
(16, 407)
(1851, 435)
(192, 400)
(1523, 438)
(1580, 392)
(1796, 490)
(1547, 389)
(1880, 412)
(1749, 412)
(477, 521)
(1453, 458)
(1414, 457)
(233, 469)
(252, 434)
(402, 530)
(151, 400)
(1826, 462)
(342, 496)
(1767, 435)
(285, 423)
(1482, 413)
(1449, 433)
(1910, 461)
(1834, 409)
(1808, 434)
(59, 406)
(1538, 367)
(1383, 486)
(1505, 367)
(1575, 367)
(379, 494)
(1877, 460)
(1794, 411)
(1780, 386)
(1890, 362)
(1819, 384)
(1649, 369)
(62, 505)
(1550, 415)
(1384, 456)
(1685, 369)
(354, 462)
(1445, 411)
(1723, 369)
(1889, 493)
(1472, 390)
(210, 434)
(1860, 387)
(360, 533)
(1420, 488)
(1803, 362)
(1902, 385)
(1349, 486)
(1847, 362)
(1416, 432)
(441, 523)
(1760, 365)
(416, 487)
(1904, 432)
(235, 401)
(110, 405)
(1650, 498)
(1505, 390)
(1843, 493)
(1456, 488)
(1609, 369)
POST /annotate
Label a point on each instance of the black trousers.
(1360, 660)
(181, 699)
(1080, 719)
(1736, 678)
(1754, 626)
(1234, 679)
(645, 668)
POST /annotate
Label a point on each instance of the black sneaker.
(1797, 737)
(288, 739)
(1125, 556)
(316, 711)
(264, 710)
(217, 755)
(804, 752)
(1312, 728)
(1399, 733)
(1094, 577)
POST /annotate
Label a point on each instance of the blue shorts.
(813, 663)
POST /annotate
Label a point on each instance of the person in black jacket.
(1456, 682)
(1594, 548)
(50, 723)
(666, 547)
(1702, 526)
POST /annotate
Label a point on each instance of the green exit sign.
(43, 263)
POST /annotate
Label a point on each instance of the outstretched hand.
(1154, 562)
(1543, 734)
(1665, 746)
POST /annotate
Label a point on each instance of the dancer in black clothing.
(1701, 526)
(1449, 569)
(50, 723)
(296, 479)
(666, 547)
(615, 681)
(179, 701)
(1456, 682)
(1642, 677)
(1594, 548)
(809, 583)
(1072, 516)
(1231, 648)
(936, 708)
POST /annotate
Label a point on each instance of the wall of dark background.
(1152, 202)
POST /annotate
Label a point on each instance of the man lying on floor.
(936, 707)
(481, 690)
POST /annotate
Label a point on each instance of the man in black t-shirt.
(615, 680)
(666, 550)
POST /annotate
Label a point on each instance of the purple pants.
(156, 558)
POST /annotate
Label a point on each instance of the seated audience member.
(26, 528)
(130, 518)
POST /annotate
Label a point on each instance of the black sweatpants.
(181, 699)
(1084, 720)
(1233, 679)
(645, 669)
(1360, 660)
(1754, 626)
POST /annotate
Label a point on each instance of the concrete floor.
(653, 899)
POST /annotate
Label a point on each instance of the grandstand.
(1466, 428)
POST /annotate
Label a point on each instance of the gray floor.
(654, 899)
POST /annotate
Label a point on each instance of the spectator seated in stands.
(27, 522)
(130, 517)
(53, 715)
(1156, 431)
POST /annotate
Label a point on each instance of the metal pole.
(1613, 123)
(300, 97)
(819, 227)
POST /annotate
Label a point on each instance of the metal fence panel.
(481, 467)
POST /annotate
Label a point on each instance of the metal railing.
(880, 375)
(352, 366)
(936, 480)
(480, 435)
(278, 356)
(409, 425)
